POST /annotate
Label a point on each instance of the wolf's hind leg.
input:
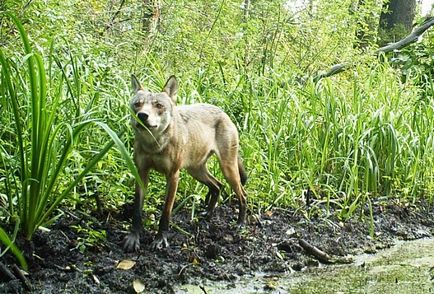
(231, 171)
(202, 174)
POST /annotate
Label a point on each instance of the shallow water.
(407, 267)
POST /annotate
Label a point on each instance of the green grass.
(346, 143)
(347, 140)
(33, 173)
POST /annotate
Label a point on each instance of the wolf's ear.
(171, 88)
(135, 84)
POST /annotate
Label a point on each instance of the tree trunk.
(396, 20)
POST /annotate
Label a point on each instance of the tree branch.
(335, 69)
(110, 24)
(314, 251)
(411, 38)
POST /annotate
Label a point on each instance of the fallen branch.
(316, 252)
(323, 256)
(18, 273)
(409, 39)
(337, 68)
(6, 274)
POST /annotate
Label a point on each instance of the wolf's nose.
(142, 116)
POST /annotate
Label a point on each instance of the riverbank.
(210, 250)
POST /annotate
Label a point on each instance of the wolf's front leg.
(132, 240)
(160, 240)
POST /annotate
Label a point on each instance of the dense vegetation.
(343, 141)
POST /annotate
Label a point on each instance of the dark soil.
(201, 249)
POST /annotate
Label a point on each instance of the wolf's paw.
(132, 242)
(241, 224)
(207, 215)
(160, 242)
(241, 221)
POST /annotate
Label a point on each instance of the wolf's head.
(152, 111)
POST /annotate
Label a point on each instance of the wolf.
(169, 138)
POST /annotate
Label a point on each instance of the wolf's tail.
(242, 171)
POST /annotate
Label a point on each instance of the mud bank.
(406, 267)
(208, 250)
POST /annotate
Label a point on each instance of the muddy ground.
(201, 249)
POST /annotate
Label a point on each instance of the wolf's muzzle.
(143, 116)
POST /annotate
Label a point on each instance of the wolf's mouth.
(141, 125)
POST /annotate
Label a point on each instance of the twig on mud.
(289, 211)
(18, 273)
(108, 218)
(323, 256)
(6, 272)
(181, 272)
(182, 231)
(203, 289)
(72, 215)
(38, 257)
(196, 235)
(65, 269)
(316, 252)
(95, 279)
(64, 235)
(249, 258)
(332, 224)
(70, 268)
(255, 219)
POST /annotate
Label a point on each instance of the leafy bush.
(416, 63)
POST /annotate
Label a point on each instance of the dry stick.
(317, 253)
(409, 39)
(203, 289)
(22, 277)
(111, 23)
(6, 273)
(181, 272)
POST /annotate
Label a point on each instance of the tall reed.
(44, 139)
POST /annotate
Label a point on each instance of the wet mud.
(68, 260)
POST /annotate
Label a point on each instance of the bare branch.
(110, 24)
(337, 68)
(411, 38)
(314, 251)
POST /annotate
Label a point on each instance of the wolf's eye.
(138, 103)
(159, 105)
